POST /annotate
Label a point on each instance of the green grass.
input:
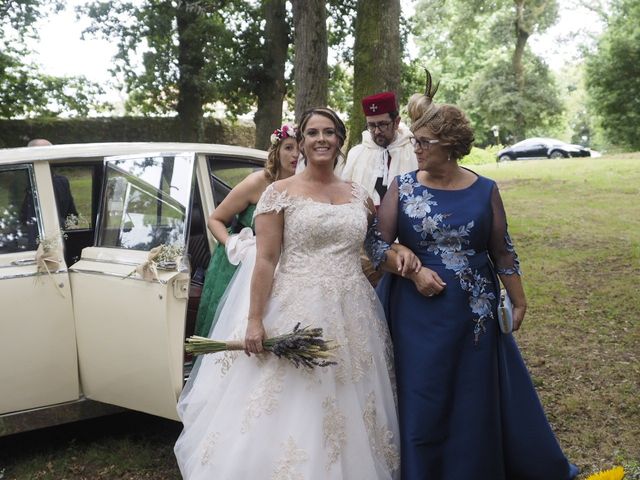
(125, 446)
(576, 226)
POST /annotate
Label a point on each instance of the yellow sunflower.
(613, 474)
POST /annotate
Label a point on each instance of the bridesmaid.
(281, 163)
(467, 406)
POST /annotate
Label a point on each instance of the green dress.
(217, 279)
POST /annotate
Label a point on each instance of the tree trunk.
(522, 35)
(311, 72)
(191, 44)
(272, 88)
(377, 56)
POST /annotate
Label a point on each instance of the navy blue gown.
(468, 409)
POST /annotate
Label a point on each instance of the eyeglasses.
(423, 143)
(382, 126)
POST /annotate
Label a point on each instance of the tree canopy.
(191, 57)
(24, 91)
(613, 76)
(478, 49)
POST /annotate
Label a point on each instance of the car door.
(38, 357)
(527, 149)
(130, 329)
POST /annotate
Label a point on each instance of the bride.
(256, 416)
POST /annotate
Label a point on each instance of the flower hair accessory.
(285, 131)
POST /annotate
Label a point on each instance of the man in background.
(385, 151)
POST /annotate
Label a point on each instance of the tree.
(311, 71)
(270, 91)
(377, 55)
(24, 91)
(483, 44)
(613, 76)
(197, 53)
(495, 98)
(530, 15)
(178, 61)
(191, 80)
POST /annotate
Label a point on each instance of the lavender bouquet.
(303, 346)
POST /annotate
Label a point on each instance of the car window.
(73, 188)
(19, 219)
(233, 170)
(145, 201)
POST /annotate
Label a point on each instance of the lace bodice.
(321, 241)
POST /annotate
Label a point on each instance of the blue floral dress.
(467, 406)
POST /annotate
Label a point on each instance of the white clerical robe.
(368, 161)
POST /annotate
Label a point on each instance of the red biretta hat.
(379, 103)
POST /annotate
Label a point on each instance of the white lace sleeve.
(272, 201)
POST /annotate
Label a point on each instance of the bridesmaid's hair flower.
(283, 132)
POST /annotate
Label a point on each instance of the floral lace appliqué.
(374, 245)
(380, 437)
(451, 244)
(515, 270)
(286, 466)
(272, 201)
(209, 446)
(265, 397)
(333, 427)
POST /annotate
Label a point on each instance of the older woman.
(467, 406)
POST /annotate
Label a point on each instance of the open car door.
(130, 324)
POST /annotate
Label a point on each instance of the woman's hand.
(254, 337)
(518, 316)
(406, 261)
(427, 282)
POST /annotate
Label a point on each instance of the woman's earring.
(449, 157)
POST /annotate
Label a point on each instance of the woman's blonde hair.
(446, 122)
(272, 167)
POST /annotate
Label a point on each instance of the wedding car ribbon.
(149, 269)
(238, 245)
(48, 261)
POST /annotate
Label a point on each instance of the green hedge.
(479, 156)
(16, 133)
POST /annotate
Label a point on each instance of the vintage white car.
(79, 333)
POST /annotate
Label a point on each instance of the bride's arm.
(379, 244)
(269, 229)
(394, 257)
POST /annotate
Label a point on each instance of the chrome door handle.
(24, 261)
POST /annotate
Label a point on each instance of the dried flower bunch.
(303, 346)
(169, 254)
(166, 257)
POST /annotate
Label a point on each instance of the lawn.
(576, 227)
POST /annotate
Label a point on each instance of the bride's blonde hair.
(446, 122)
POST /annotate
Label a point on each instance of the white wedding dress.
(262, 418)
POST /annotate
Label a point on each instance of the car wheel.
(504, 158)
(557, 154)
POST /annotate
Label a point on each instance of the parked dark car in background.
(542, 148)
